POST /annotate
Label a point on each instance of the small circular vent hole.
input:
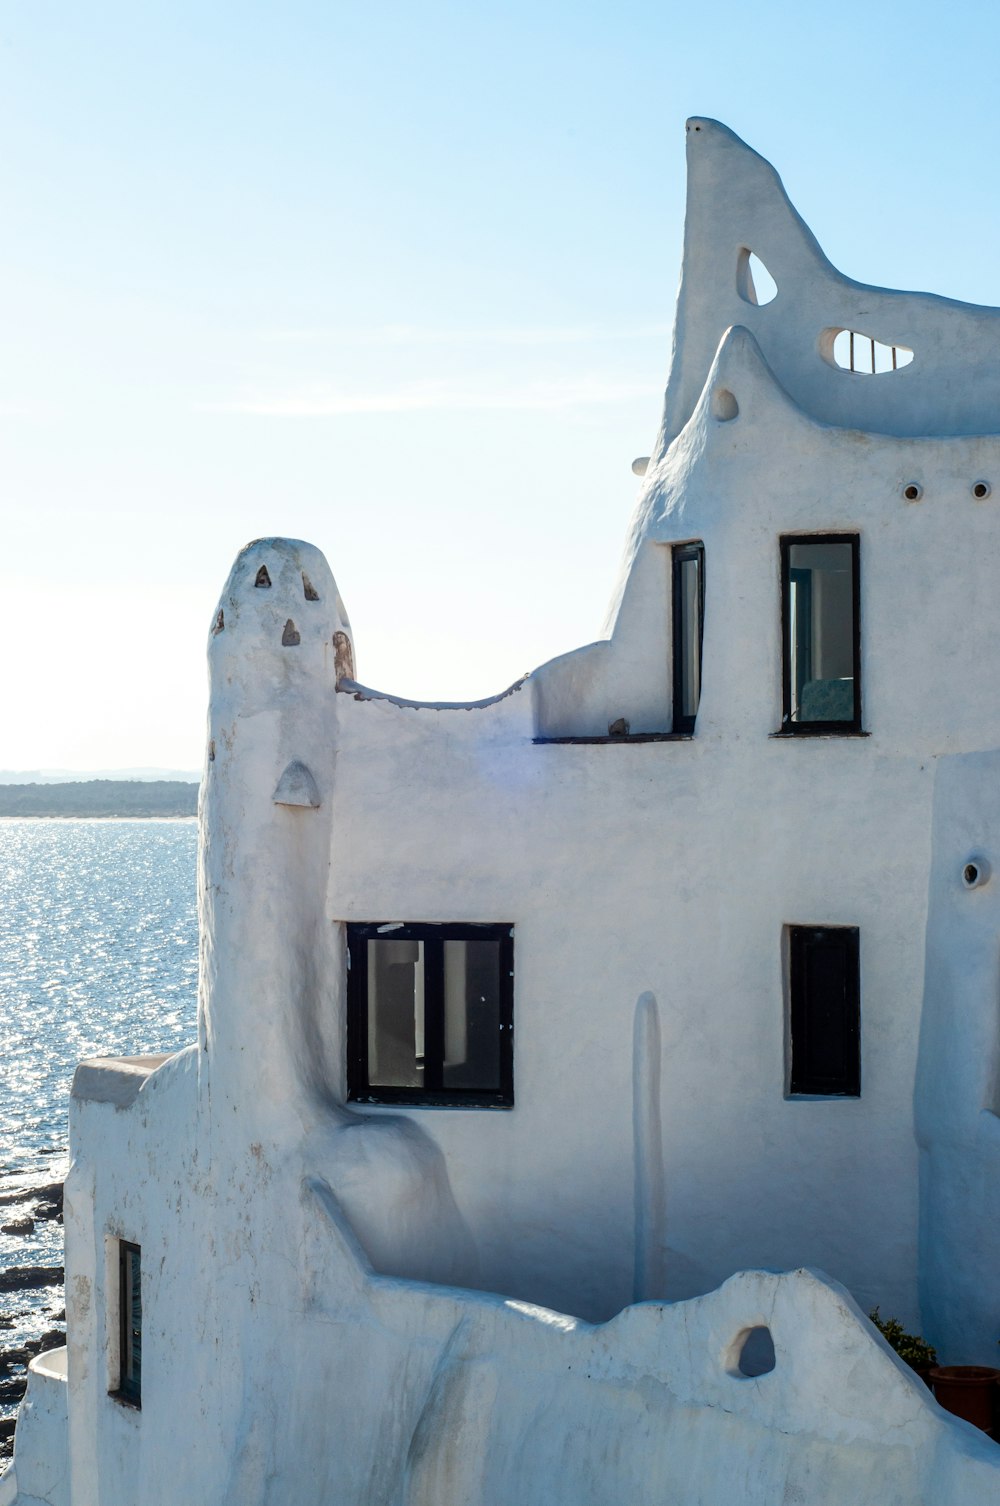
(976, 873)
(757, 1354)
(981, 490)
(912, 491)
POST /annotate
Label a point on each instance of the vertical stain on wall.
(650, 1192)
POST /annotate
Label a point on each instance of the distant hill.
(78, 776)
(101, 797)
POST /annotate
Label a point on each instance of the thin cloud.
(326, 402)
(415, 334)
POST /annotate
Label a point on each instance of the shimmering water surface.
(98, 955)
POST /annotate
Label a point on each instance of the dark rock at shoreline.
(18, 1226)
(26, 1278)
(49, 1194)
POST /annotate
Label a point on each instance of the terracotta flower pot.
(967, 1391)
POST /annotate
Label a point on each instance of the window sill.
(431, 1101)
(820, 730)
(632, 737)
(133, 1403)
(822, 1097)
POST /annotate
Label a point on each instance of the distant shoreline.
(94, 816)
(100, 799)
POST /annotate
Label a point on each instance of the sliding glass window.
(430, 1014)
(689, 623)
(821, 633)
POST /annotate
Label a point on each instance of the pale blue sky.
(397, 279)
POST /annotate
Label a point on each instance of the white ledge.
(113, 1079)
(51, 1365)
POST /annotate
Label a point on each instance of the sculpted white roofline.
(738, 205)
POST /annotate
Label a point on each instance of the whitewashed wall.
(652, 1150)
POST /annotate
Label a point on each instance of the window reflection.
(821, 632)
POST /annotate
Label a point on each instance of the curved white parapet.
(41, 1444)
(467, 1399)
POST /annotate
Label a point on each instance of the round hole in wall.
(757, 1353)
(724, 405)
(913, 491)
(981, 490)
(976, 873)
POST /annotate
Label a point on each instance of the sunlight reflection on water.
(98, 954)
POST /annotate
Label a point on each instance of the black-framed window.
(430, 1014)
(821, 633)
(825, 1011)
(689, 627)
(129, 1387)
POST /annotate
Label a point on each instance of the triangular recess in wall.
(297, 786)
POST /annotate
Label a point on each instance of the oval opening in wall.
(757, 1353)
(754, 282)
(852, 350)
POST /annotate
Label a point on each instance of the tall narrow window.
(825, 1011)
(689, 622)
(821, 633)
(130, 1324)
(430, 1014)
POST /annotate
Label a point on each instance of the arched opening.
(850, 350)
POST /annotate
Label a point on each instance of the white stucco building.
(678, 959)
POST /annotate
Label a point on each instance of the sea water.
(98, 956)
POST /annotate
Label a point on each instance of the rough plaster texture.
(958, 1081)
(312, 1328)
(40, 1472)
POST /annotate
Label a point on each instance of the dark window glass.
(825, 1010)
(821, 632)
(396, 1012)
(689, 619)
(430, 1014)
(130, 1323)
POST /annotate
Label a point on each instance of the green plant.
(909, 1346)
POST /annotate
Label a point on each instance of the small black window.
(129, 1386)
(825, 1011)
(689, 624)
(821, 633)
(430, 1015)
